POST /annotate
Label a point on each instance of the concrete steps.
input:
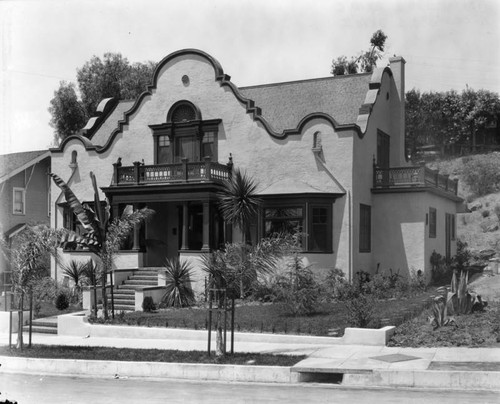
(124, 294)
(43, 326)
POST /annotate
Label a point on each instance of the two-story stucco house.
(24, 193)
(328, 156)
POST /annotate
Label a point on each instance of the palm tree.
(223, 268)
(239, 205)
(30, 262)
(101, 236)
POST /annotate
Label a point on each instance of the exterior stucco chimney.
(397, 65)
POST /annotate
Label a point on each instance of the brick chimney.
(397, 65)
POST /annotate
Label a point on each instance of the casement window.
(19, 201)
(320, 228)
(365, 228)
(313, 220)
(432, 222)
(287, 220)
(185, 136)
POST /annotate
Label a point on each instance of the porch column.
(137, 227)
(185, 225)
(206, 226)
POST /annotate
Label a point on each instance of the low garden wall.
(76, 324)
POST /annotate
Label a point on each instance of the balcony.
(184, 172)
(413, 177)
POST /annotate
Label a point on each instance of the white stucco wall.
(403, 242)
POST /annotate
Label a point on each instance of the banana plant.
(102, 236)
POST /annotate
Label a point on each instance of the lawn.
(473, 330)
(148, 355)
(272, 318)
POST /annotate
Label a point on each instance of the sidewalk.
(348, 365)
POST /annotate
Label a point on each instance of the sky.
(447, 44)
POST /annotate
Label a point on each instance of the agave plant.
(439, 316)
(178, 276)
(460, 300)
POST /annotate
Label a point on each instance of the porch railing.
(419, 176)
(170, 173)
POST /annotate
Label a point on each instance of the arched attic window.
(185, 135)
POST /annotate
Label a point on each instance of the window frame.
(365, 228)
(23, 202)
(432, 222)
(307, 204)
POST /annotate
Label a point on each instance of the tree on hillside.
(365, 61)
(111, 76)
(101, 236)
(449, 120)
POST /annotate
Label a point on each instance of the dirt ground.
(488, 286)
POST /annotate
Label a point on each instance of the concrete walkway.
(350, 365)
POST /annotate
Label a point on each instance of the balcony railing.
(185, 171)
(413, 177)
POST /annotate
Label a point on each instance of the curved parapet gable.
(86, 143)
(224, 80)
(371, 97)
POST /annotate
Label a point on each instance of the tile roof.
(284, 105)
(13, 161)
(111, 122)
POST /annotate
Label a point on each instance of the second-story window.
(185, 136)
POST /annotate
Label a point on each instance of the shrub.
(62, 300)
(497, 211)
(462, 258)
(441, 270)
(334, 285)
(359, 309)
(45, 289)
(417, 283)
(178, 284)
(297, 288)
(148, 305)
(481, 174)
(485, 213)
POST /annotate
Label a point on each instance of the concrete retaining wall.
(77, 325)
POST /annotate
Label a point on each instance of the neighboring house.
(24, 194)
(328, 156)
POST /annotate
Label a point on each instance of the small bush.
(481, 174)
(440, 268)
(485, 213)
(297, 288)
(334, 285)
(148, 305)
(359, 309)
(62, 301)
(497, 211)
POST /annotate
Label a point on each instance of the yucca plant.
(239, 204)
(179, 292)
(75, 270)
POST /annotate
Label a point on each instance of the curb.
(426, 379)
(422, 379)
(121, 369)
